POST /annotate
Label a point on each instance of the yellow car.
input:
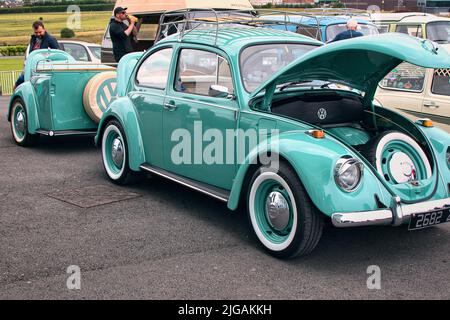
(421, 25)
(416, 90)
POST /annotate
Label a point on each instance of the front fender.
(440, 142)
(125, 70)
(314, 161)
(123, 111)
(26, 92)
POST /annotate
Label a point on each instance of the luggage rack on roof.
(424, 14)
(183, 21)
(66, 65)
(350, 12)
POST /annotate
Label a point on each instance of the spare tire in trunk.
(99, 92)
(397, 158)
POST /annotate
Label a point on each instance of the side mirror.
(218, 91)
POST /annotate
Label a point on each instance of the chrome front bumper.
(396, 215)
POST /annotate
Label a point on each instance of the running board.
(65, 133)
(217, 193)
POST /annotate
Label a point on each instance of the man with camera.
(121, 33)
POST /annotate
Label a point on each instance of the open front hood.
(361, 62)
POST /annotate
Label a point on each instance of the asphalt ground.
(168, 242)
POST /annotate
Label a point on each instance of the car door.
(403, 88)
(150, 86)
(437, 97)
(197, 122)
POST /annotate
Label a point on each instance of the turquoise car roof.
(231, 38)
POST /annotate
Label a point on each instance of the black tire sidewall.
(28, 139)
(300, 196)
(125, 176)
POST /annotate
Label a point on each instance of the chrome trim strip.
(202, 103)
(184, 182)
(396, 216)
(65, 133)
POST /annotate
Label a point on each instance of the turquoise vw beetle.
(60, 96)
(267, 118)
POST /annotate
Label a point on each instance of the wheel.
(398, 158)
(115, 154)
(282, 215)
(19, 125)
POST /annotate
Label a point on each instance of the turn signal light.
(427, 123)
(317, 134)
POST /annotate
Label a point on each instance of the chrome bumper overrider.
(396, 215)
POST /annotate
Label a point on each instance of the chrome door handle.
(170, 107)
(430, 104)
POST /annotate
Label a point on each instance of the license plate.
(428, 219)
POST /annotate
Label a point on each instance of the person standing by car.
(41, 39)
(121, 33)
(351, 32)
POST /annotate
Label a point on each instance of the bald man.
(351, 32)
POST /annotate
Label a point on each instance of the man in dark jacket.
(352, 26)
(121, 33)
(41, 39)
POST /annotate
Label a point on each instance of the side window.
(147, 31)
(312, 32)
(154, 71)
(406, 77)
(383, 28)
(412, 30)
(199, 70)
(77, 51)
(441, 82)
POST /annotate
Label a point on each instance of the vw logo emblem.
(322, 114)
(106, 94)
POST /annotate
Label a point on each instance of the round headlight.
(348, 173)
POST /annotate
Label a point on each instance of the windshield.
(260, 62)
(335, 29)
(96, 51)
(439, 31)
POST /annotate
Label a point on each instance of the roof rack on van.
(183, 21)
(415, 15)
(350, 12)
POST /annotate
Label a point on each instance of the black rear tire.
(19, 125)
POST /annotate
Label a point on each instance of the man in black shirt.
(121, 33)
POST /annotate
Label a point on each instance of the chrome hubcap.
(117, 152)
(402, 168)
(277, 211)
(20, 121)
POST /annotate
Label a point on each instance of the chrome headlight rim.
(342, 166)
